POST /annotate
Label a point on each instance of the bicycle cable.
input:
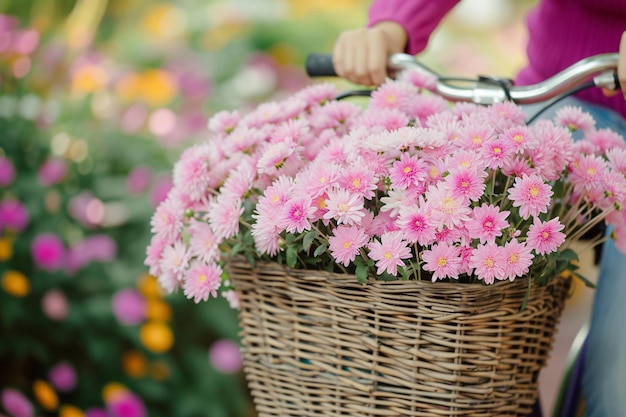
(568, 93)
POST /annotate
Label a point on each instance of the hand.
(361, 55)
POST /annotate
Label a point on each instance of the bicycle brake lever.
(608, 80)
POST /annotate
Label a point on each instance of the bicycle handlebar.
(601, 70)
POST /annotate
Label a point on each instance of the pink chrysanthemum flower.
(389, 252)
(202, 281)
(317, 94)
(605, 139)
(392, 95)
(517, 167)
(519, 138)
(506, 114)
(421, 107)
(518, 259)
(242, 139)
(418, 79)
(449, 208)
(167, 220)
(545, 237)
(175, 259)
(574, 118)
(613, 189)
(467, 182)
(359, 180)
(297, 214)
(585, 173)
(496, 153)
(346, 242)
(240, 181)
(274, 156)
(387, 119)
(266, 231)
(203, 244)
(344, 206)
(531, 194)
(617, 160)
(224, 122)
(489, 263)
(408, 171)
(278, 193)
(474, 135)
(224, 217)
(191, 172)
(463, 159)
(487, 223)
(417, 224)
(334, 115)
(443, 260)
(154, 251)
(291, 130)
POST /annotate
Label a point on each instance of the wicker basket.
(320, 344)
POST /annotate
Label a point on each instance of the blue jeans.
(604, 375)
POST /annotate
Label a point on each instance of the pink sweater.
(561, 32)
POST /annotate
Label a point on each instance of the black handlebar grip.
(616, 81)
(320, 65)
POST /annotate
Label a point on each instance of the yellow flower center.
(518, 138)
(534, 191)
(477, 140)
(488, 263)
(387, 255)
(407, 170)
(347, 244)
(464, 184)
(513, 258)
(202, 278)
(497, 151)
(343, 208)
(442, 262)
(545, 235)
(356, 183)
(591, 171)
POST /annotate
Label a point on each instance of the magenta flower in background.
(160, 189)
(101, 248)
(48, 252)
(86, 209)
(15, 403)
(225, 356)
(52, 171)
(96, 412)
(14, 215)
(63, 377)
(126, 404)
(7, 172)
(138, 179)
(129, 306)
(25, 41)
(55, 305)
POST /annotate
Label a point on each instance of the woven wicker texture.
(320, 344)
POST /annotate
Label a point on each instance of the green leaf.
(585, 280)
(308, 240)
(292, 256)
(320, 249)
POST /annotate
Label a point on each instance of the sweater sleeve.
(418, 17)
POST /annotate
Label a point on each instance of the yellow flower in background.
(149, 286)
(89, 78)
(70, 411)
(156, 336)
(135, 364)
(159, 370)
(112, 389)
(155, 87)
(6, 249)
(158, 310)
(46, 395)
(165, 20)
(15, 283)
(299, 8)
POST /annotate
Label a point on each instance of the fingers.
(360, 56)
(621, 64)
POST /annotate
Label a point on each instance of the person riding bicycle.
(561, 32)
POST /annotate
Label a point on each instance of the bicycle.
(599, 71)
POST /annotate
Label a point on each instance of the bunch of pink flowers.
(409, 187)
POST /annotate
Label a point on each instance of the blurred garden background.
(97, 100)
